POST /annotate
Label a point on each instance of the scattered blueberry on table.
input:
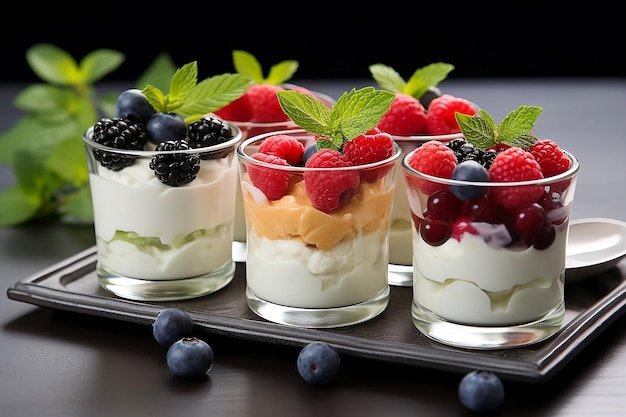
(170, 325)
(318, 363)
(481, 391)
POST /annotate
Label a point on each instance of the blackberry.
(466, 151)
(175, 168)
(117, 133)
(209, 132)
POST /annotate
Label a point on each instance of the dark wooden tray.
(591, 304)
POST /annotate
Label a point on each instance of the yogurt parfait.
(419, 112)
(163, 184)
(258, 111)
(317, 203)
(490, 213)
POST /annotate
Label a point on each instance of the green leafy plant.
(44, 148)
(247, 64)
(417, 85)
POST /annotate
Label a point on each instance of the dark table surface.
(59, 363)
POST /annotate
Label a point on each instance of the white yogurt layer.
(472, 283)
(290, 273)
(148, 230)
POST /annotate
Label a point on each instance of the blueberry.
(308, 152)
(318, 363)
(133, 105)
(469, 170)
(190, 358)
(481, 391)
(170, 325)
(166, 126)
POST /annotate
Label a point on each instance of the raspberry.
(550, 157)
(272, 182)
(264, 103)
(372, 146)
(405, 117)
(284, 146)
(440, 119)
(432, 158)
(332, 189)
(515, 164)
(238, 110)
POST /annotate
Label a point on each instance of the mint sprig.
(191, 99)
(417, 85)
(354, 113)
(514, 130)
(248, 65)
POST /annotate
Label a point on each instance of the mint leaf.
(15, 206)
(248, 65)
(158, 74)
(387, 78)
(426, 77)
(53, 64)
(514, 130)
(353, 114)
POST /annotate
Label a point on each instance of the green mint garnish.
(354, 113)
(246, 64)
(513, 130)
(419, 83)
(192, 99)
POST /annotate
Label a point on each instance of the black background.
(526, 39)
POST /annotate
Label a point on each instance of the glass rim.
(571, 172)
(143, 153)
(292, 168)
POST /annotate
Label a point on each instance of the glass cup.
(158, 242)
(400, 240)
(249, 129)
(308, 268)
(490, 282)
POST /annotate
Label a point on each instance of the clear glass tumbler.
(310, 268)
(400, 238)
(482, 279)
(160, 242)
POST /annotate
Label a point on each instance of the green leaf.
(68, 161)
(95, 65)
(517, 125)
(478, 129)
(43, 98)
(183, 82)
(424, 78)
(305, 111)
(156, 98)
(246, 64)
(212, 94)
(16, 207)
(387, 78)
(353, 114)
(54, 65)
(281, 72)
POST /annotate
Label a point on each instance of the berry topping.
(469, 170)
(273, 182)
(330, 190)
(175, 169)
(132, 104)
(209, 132)
(441, 119)
(264, 103)
(515, 164)
(121, 134)
(550, 157)
(170, 325)
(166, 126)
(190, 358)
(432, 158)
(284, 146)
(372, 146)
(318, 363)
(406, 117)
